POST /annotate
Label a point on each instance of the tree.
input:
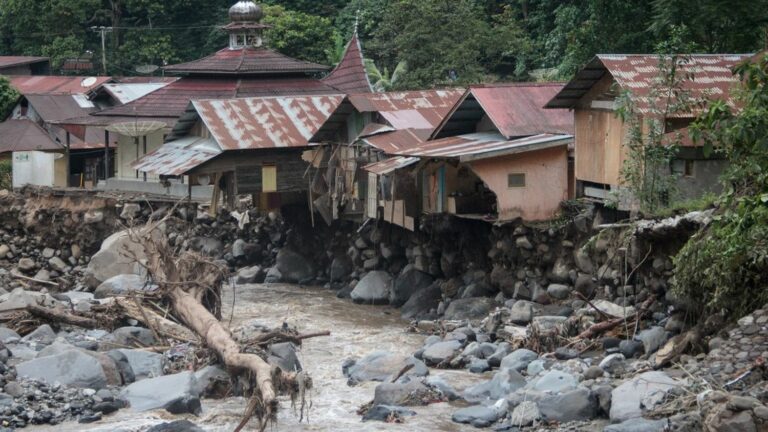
(383, 81)
(8, 97)
(299, 35)
(441, 42)
(326, 8)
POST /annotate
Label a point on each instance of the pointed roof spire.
(357, 21)
(349, 75)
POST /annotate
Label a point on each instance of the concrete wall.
(546, 183)
(38, 169)
(176, 190)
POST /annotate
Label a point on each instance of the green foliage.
(8, 97)
(62, 48)
(725, 266)
(6, 179)
(299, 35)
(382, 81)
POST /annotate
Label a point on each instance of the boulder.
(273, 276)
(72, 368)
(293, 266)
(284, 356)
(160, 392)
(504, 382)
(555, 381)
(6, 334)
(525, 414)
(412, 393)
(652, 339)
(144, 364)
(560, 272)
(26, 265)
(521, 312)
(518, 359)
(249, 275)
(373, 288)
(387, 413)
(58, 264)
(115, 257)
(421, 302)
(643, 391)
(380, 366)
(130, 211)
(574, 405)
(43, 335)
(125, 337)
(406, 284)
(441, 352)
(613, 309)
(638, 425)
(479, 415)
(558, 291)
(176, 426)
(341, 267)
(469, 308)
(19, 299)
(122, 285)
(212, 247)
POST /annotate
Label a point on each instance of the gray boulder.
(19, 299)
(525, 414)
(421, 302)
(643, 391)
(249, 275)
(6, 334)
(341, 267)
(43, 335)
(373, 288)
(212, 381)
(574, 405)
(387, 413)
(518, 359)
(441, 352)
(469, 308)
(555, 381)
(284, 356)
(504, 382)
(160, 392)
(380, 366)
(72, 368)
(126, 337)
(117, 256)
(521, 312)
(639, 425)
(144, 364)
(176, 426)
(293, 266)
(122, 285)
(411, 393)
(207, 246)
(558, 291)
(406, 284)
(652, 339)
(273, 276)
(480, 416)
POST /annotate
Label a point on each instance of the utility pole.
(103, 30)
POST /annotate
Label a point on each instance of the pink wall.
(546, 182)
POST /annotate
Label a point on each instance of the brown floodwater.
(356, 330)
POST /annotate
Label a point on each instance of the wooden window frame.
(510, 184)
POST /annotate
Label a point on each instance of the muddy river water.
(356, 330)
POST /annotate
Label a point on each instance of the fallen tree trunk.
(604, 326)
(58, 316)
(152, 320)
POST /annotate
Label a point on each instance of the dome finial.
(245, 11)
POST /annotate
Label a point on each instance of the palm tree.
(383, 81)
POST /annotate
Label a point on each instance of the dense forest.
(409, 43)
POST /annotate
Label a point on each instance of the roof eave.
(556, 142)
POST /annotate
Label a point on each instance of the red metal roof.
(712, 77)
(57, 107)
(178, 157)
(349, 76)
(45, 84)
(482, 144)
(416, 109)
(386, 166)
(518, 109)
(25, 135)
(396, 141)
(246, 61)
(257, 123)
(11, 61)
(172, 100)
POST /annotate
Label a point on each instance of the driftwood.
(58, 316)
(154, 321)
(604, 326)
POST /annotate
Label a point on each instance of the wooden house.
(498, 155)
(600, 135)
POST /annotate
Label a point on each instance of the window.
(682, 167)
(516, 180)
(269, 178)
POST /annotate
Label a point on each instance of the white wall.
(127, 153)
(33, 168)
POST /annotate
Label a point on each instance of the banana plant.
(382, 81)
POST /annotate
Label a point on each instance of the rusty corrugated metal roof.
(25, 135)
(415, 109)
(386, 166)
(518, 109)
(372, 129)
(172, 100)
(11, 61)
(488, 144)
(712, 77)
(349, 76)
(257, 123)
(246, 61)
(178, 157)
(395, 141)
(57, 107)
(46, 84)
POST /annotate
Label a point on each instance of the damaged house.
(497, 156)
(600, 134)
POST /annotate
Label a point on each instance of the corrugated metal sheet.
(372, 129)
(44, 84)
(25, 135)
(395, 141)
(480, 143)
(388, 165)
(349, 76)
(518, 109)
(712, 77)
(172, 100)
(257, 123)
(415, 109)
(178, 157)
(10, 61)
(57, 107)
(246, 61)
(125, 93)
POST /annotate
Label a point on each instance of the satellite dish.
(136, 128)
(146, 69)
(87, 82)
(204, 180)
